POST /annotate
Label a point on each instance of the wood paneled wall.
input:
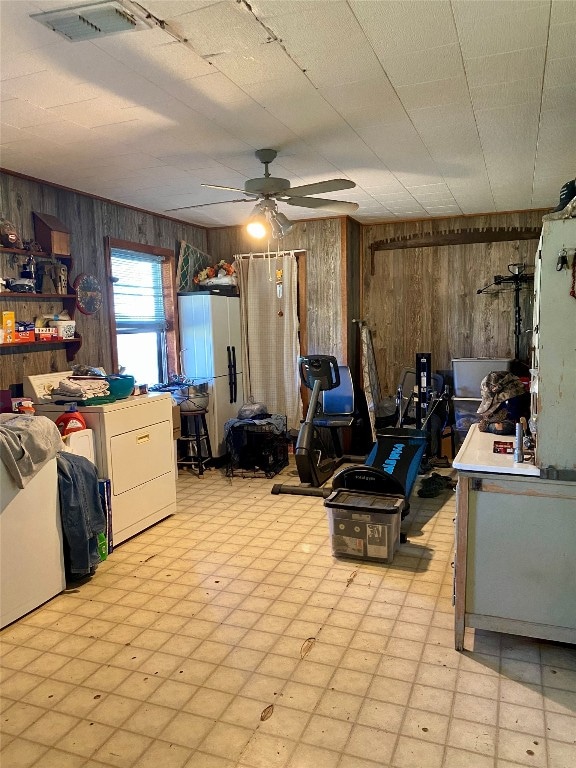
(326, 292)
(426, 300)
(418, 299)
(89, 220)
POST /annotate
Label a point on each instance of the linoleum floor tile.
(228, 636)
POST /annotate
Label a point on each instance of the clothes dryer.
(133, 447)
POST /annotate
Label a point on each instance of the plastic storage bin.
(363, 525)
(469, 372)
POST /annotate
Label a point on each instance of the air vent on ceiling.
(85, 22)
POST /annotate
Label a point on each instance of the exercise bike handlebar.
(319, 368)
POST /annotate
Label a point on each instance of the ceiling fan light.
(279, 224)
(285, 223)
(257, 229)
(276, 228)
(257, 225)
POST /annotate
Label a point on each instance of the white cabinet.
(554, 356)
(514, 564)
(211, 350)
(31, 543)
(134, 447)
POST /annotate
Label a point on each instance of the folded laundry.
(80, 389)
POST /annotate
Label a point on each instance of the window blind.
(138, 297)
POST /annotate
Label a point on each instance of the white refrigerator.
(553, 384)
(211, 351)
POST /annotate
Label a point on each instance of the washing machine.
(133, 447)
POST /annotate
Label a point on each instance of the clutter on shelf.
(222, 274)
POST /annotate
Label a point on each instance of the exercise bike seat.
(338, 403)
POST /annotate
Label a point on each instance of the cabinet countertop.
(476, 455)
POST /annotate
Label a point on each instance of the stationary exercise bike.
(317, 457)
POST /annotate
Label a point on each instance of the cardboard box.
(176, 423)
(8, 327)
(25, 336)
(46, 334)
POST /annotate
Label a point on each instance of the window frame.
(168, 268)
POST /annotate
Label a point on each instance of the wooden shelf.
(24, 252)
(67, 301)
(35, 296)
(72, 345)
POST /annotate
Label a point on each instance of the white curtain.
(268, 300)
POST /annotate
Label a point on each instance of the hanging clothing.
(80, 510)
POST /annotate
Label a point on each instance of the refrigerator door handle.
(230, 374)
(234, 376)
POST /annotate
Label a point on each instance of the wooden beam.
(462, 237)
(430, 239)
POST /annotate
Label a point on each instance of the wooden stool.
(195, 437)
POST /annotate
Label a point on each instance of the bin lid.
(367, 502)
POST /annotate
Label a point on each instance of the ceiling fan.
(269, 187)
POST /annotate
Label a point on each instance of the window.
(143, 336)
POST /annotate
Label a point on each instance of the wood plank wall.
(425, 299)
(323, 240)
(418, 300)
(89, 220)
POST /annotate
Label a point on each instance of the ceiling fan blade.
(331, 185)
(230, 189)
(338, 206)
(203, 205)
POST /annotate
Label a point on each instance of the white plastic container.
(469, 372)
(363, 525)
(65, 328)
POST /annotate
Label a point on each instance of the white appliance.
(553, 385)
(134, 448)
(31, 554)
(211, 351)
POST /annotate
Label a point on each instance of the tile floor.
(227, 636)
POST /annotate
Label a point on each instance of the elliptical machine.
(316, 461)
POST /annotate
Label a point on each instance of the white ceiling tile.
(169, 10)
(265, 63)
(560, 98)
(144, 119)
(563, 11)
(10, 133)
(161, 63)
(561, 72)
(450, 91)
(424, 66)
(31, 35)
(224, 27)
(61, 132)
(18, 64)
(505, 94)
(104, 110)
(503, 67)
(353, 65)
(375, 98)
(44, 89)
(495, 26)
(455, 116)
(318, 26)
(561, 41)
(22, 114)
(400, 27)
